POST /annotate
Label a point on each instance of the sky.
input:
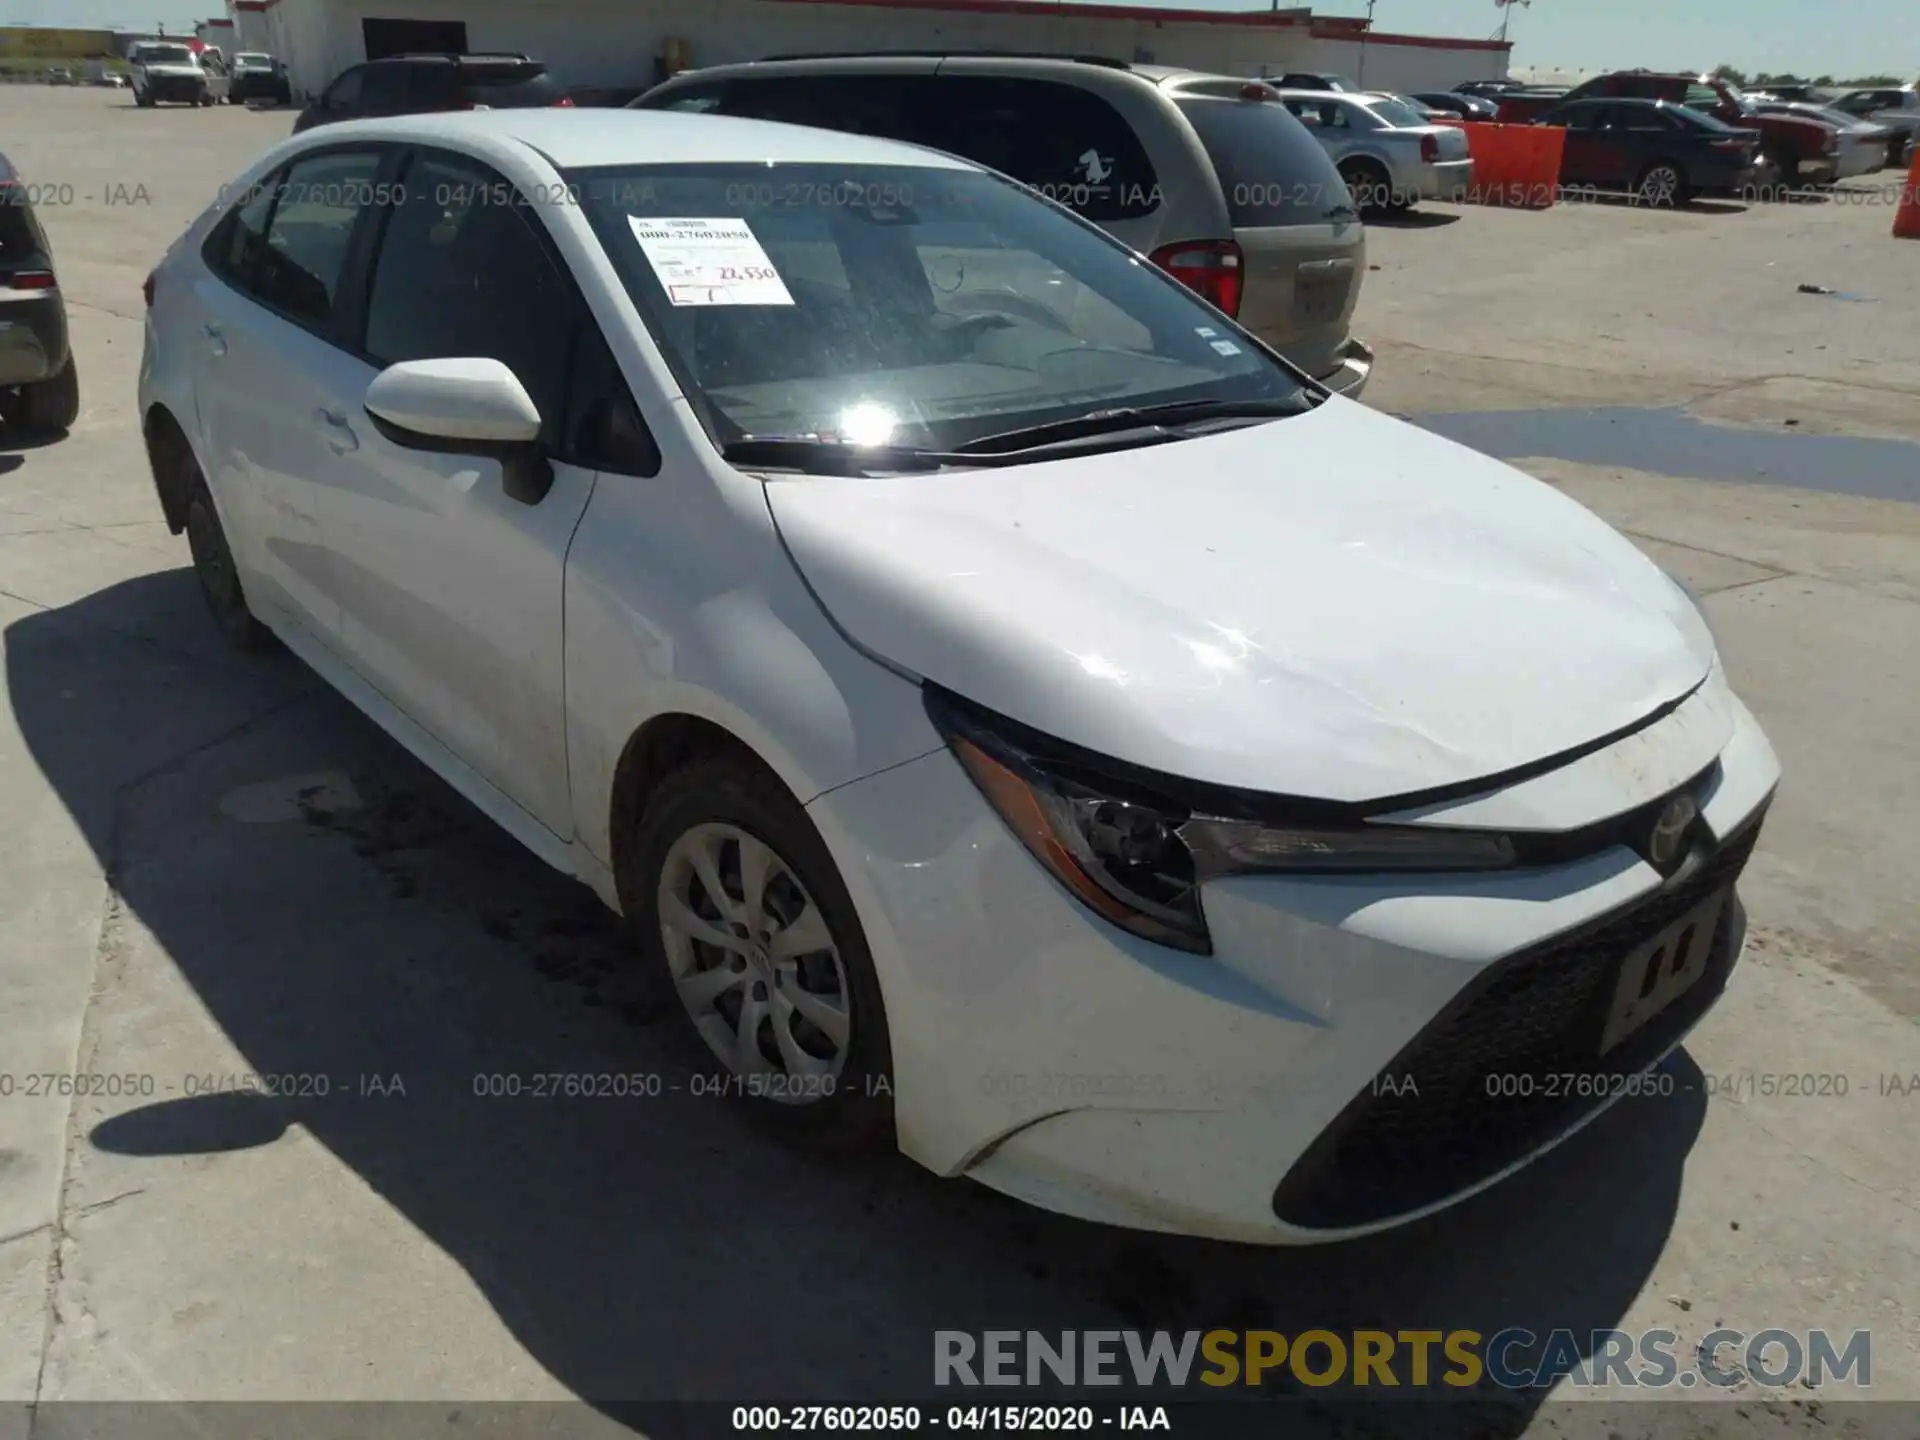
(1807, 37)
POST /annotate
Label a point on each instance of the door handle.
(216, 338)
(340, 437)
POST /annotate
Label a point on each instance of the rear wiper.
(1137, 417)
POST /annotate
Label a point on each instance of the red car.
(1806, 151)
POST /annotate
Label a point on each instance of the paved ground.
(172, 910)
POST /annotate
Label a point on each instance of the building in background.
(249, 26)
(216, 35)
(622, 44)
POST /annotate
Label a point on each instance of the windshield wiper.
(833, 457)
(1135, 417)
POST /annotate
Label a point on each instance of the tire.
(1662, 184)
(1370, 186)
(219, 580)
(1789, 175)
(51, 406)
(145, 102)
(703, 820)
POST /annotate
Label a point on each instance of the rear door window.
(1067, 143)
(1272, 171)
(1645, 120)
(299, 268)
(235, 248)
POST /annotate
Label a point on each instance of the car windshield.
(1397, 113)
(904, 306)
(248, 62)
(166, 55)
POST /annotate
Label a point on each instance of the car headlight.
(1136, 853)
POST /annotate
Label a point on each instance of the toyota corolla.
(1021, 719)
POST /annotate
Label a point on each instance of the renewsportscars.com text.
(1512, 1359)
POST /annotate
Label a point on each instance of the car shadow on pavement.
(337, 911)
(1412, 219)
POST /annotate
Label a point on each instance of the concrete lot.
(171, 909)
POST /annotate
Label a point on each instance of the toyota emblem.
(1670, 830)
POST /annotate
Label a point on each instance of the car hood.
(1337, 605)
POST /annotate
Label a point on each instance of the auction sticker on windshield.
(709, 262)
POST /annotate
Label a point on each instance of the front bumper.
(171, 91)
(1236, 1096)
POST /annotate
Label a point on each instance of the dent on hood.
(1338, 605)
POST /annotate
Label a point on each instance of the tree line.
(1734, 76)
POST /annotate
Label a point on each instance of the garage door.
(413, 37)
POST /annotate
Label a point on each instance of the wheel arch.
(661, 745)
(171, 458)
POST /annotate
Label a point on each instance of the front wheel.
(742, 913)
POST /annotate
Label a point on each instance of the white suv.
(1019, 715)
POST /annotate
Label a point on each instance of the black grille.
(1428, 1126)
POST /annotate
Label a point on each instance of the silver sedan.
(1390, 155)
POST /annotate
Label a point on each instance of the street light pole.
(1363, 44)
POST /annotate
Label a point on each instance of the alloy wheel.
(753, 960)
(1660, 185)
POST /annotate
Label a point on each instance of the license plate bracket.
(1662, 969)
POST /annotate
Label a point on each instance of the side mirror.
(464, 407)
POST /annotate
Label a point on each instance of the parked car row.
(962, 647)
(166, 72)
(1803, 145)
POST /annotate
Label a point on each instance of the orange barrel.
(1906, 217)
(1515, 165)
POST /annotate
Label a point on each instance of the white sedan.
(1020, 717)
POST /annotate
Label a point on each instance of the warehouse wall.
(1398, 66)
(615, 42)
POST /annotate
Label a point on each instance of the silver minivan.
(1207, 175)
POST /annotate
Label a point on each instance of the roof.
(1319, 27)
(585, 138)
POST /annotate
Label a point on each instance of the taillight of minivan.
(1210, 268)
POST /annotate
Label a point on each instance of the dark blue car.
(1663, 153)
